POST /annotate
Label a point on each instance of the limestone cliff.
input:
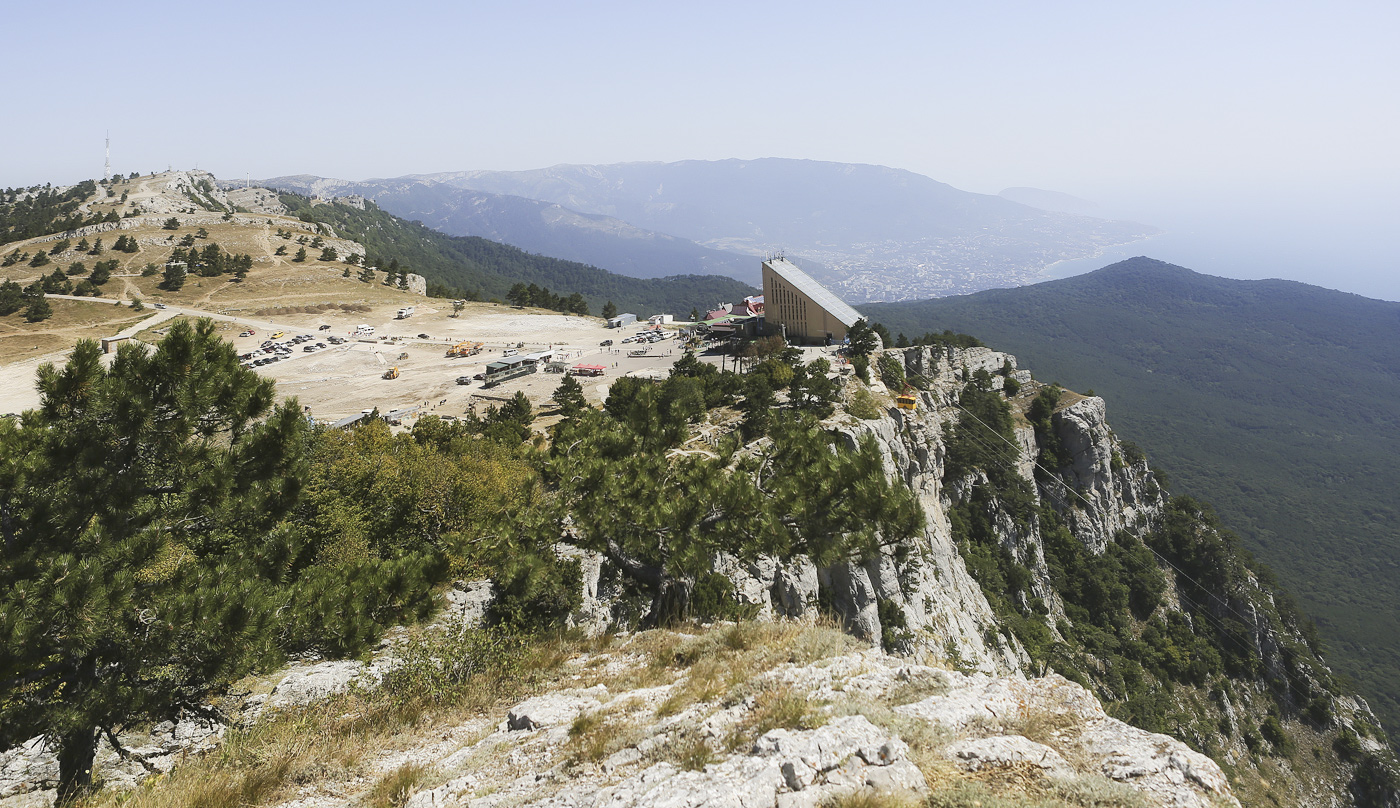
(1083, 567)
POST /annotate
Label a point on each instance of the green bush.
(436, 668)
(862, 404)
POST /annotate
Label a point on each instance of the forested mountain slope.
(1273, 399)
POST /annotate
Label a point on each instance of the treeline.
(540, 297)
(237, 533)
(33, 212)
(478, 269)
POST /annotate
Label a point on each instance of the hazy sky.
(1280, 113)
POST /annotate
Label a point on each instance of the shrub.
(862, 405)
(393, 789)
(891, 372)
(444, 667)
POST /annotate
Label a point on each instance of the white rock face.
(784, 768)
(1007, 750)
(1074, 721)
(305, 685)
(552, 710)
(1116, 499)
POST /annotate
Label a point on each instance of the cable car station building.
(801, 309)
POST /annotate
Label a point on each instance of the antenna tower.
(107, 167)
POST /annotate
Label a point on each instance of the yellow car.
(279, 335)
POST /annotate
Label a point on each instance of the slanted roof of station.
(822, 296)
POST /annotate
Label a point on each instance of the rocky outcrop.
(535, 756)
(1103, 492)
(1071, 724)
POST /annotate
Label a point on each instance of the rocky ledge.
(719, 718)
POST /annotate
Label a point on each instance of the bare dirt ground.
(280, 295)
(346, 379)
(343, 380)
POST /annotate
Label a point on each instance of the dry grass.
(393, 789)
(594, 736)
(72, 320)
(872, 799)
(312, 308)
(1019, 787)
(719, 662)
(333, 742)
(692, 753)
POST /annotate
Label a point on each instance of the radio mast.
(107, 167)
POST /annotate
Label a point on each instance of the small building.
(801, 309)
(661, 319)
(110, 343)
(622, 320)
(350, 420)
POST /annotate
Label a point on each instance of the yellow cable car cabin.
(906, 400)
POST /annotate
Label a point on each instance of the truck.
(404, 313)
(363, 330)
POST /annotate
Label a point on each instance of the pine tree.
(804, 494)
(141, 571)
(11, 297)
(300, 256)
(609, 310)
(38, 310)
(174, 276)
(864, 340)
(569, 396)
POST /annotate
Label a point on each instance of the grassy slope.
(1272, 399)
(490, 268)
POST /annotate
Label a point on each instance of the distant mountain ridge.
(1273, 399)
(542, 227)
(870, 232)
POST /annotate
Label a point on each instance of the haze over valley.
(869, 232)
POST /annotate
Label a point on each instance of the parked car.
(335, 340)
(160, 305)
(464, 379)
(309, 348)
(605, 343)
(248, 333)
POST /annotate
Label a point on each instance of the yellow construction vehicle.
(464, 349)
(392, 373)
